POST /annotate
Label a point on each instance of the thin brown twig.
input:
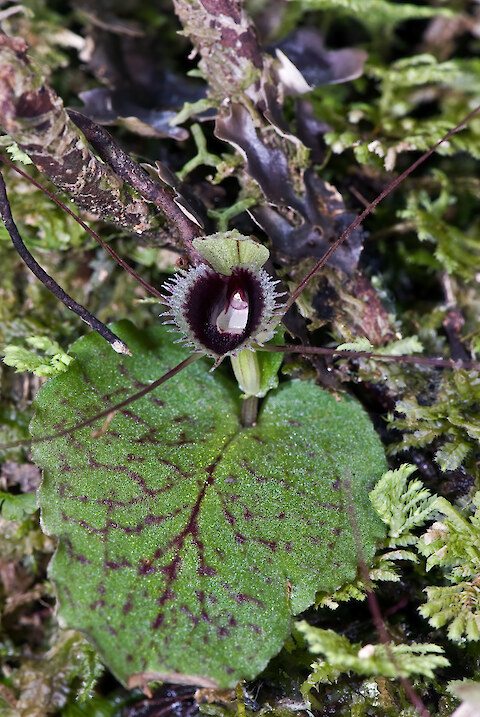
(374, 607)
(393, 185)
(339, 354)
(111, 409)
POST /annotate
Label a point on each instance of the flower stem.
(247, 372)
(248, 416)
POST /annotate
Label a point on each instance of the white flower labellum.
(233, 319)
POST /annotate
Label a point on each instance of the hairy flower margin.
(228, 304)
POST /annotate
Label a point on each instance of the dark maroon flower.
(222, 315)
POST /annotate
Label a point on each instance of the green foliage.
(17, 507)
(17, 154)
(403, 87)
(454, 545)
(339, 655)
(455, 605)
(377, 15)
(41, 223)
(401, 347)
(95, 707)
(191, 109)
(203, 156)
(456, 251)
(199, 535)
(402, 505)
(360, 344)
(24, 360)
(398, 107)
(70, 669)
(22, 540)
(354, 590)
(452, 417)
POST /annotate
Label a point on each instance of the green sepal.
(227, 249)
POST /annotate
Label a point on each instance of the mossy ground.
(420, 259)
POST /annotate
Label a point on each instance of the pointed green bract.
(186, 542)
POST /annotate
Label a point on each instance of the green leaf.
(340, 655)
(402, 347)
(17, 154)
(225, 250)
(453, 416)
(402, 505)
(360, 344)
(17, 507)
(24, 360)
(270, 362)
(376, 13)
(455, 605)
(186, 542)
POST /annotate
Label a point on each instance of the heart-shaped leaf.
(186, 542)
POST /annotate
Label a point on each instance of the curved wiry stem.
(151, 289)
(111, 409)
(393, 185)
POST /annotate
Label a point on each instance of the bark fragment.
(34, 117)
(224, 36)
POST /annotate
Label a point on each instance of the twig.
(112, 409)
(374, 607)
(393, 185)
(117, 344)
(126, 168)
(453, 321)
(338, 353)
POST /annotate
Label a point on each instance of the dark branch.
(117, 344)
(88, 229)
(126, 168)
